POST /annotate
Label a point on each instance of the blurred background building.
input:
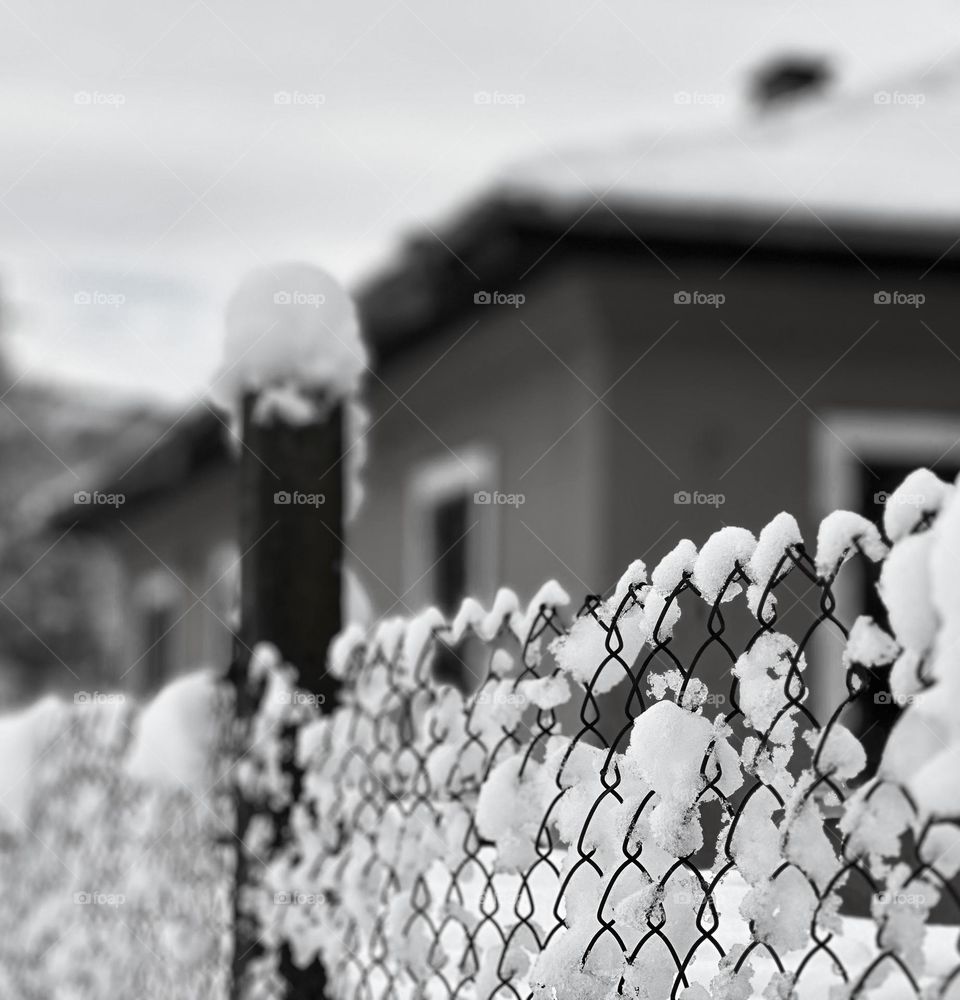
(716, 342)
(732, 296)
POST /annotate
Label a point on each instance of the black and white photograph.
(479, 514)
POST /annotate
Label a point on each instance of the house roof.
(875, 171)
(883, 155)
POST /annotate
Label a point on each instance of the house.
(614, 348)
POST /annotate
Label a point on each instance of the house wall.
(717, 398)
(501, 378)
(177, 540)
(692, 398)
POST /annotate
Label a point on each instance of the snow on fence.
(115, 859)
(637, 801)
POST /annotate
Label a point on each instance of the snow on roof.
(889, 154)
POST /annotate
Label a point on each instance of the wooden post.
(291, 526)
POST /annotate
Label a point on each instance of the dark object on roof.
(789, 77)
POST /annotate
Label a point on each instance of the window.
(862, 458)
(157, 599)
(450, 538)
(221, 602)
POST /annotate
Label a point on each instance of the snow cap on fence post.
(292, 340)
(292, 366)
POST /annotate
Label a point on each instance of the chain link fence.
(641, 799)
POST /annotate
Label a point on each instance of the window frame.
(435, 480)
(842, 440)
(157, 591)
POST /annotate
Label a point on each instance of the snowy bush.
(623, 806)
(114, 856)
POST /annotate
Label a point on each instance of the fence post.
(291, 569)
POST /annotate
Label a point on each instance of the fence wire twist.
(701, 832)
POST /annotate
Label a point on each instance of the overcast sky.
(153, 153)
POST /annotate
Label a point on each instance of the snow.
(668, 749)
(174, 735)
(841, 532)
(920, 495)
(869, 645)
(840, 754)
(723, 551)
(290, 325)
(762, 673)
(944, 593)
(546, 692)
(285, 404)
(936, 785)
(899, 171)
(23, 736)
(674, 566)
(599, 653)
(394, 770)
(774, 541)
(631, 580)
(344, 647)
(915, 738)
(905, 588)
(293, 338)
